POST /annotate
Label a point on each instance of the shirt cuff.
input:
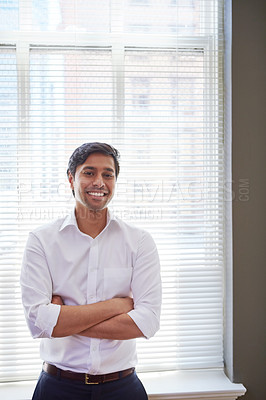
(148, 324)
(47, 319)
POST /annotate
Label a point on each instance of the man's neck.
(91, 222)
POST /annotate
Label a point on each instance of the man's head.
(92, 172)
(81, 154)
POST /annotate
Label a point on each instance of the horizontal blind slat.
(162, 107)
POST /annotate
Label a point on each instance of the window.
(151, 85)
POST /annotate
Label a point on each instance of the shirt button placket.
(92, 273)
(92, 298)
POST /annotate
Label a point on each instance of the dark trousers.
(53, 388)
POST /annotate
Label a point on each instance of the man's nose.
(98, 181)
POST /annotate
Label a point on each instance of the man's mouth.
(97, 194)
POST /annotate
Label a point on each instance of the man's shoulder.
(124, 224)
(130, 228)
(50, 227)
(135, 237)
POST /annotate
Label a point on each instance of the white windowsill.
(181, 385)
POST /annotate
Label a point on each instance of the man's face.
(94, 182)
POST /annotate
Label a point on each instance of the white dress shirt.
(61, 260)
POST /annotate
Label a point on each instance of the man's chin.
(97, 208)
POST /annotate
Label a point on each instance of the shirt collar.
(70, 219)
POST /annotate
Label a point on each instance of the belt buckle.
(87, 380)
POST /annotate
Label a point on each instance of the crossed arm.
(114, 319)
(106, 320)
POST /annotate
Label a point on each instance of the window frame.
(119, 42)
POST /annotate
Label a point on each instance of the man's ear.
(71, 180)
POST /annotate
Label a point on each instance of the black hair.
(81, 154)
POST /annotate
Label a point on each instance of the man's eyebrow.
(93, 168)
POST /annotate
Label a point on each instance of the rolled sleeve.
(141, 316)
(36, 289)
(46, 319)
(146, 287)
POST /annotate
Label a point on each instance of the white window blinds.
(146, 77)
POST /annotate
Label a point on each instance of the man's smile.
(97, 194)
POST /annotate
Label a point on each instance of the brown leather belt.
(86, 378)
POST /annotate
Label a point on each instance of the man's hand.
(125, 304)
(57, 300)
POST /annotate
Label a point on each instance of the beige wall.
(249, 217)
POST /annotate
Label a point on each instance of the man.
(90, 286)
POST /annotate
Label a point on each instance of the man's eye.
(87, 173)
